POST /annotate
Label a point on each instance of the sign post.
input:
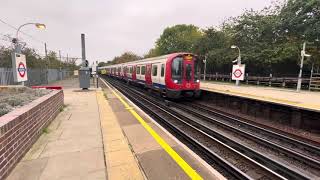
(20, 71)
(238, 72)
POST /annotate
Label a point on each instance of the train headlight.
(197, 80)
(175, 81)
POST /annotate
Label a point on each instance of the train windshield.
(188, 72)
(176, 68)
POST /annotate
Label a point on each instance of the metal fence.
(285, 82)
(35, 76)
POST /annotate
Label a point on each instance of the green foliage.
(177, 39)
(125, 57)
(152, 53)
(36, 61)
(5, 57)
(101, 64)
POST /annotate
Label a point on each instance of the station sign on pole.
(238, 72)
(20, 71)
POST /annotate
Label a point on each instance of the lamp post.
(303, 54)
(16, 40)
(205, 67)
(238, 60)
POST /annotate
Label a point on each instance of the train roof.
(145, 60)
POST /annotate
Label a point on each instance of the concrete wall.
(20, 128)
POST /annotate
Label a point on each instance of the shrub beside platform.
(20, 128)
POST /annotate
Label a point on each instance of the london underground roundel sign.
(20, 67)
(238, 72)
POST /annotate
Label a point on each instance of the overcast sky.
(112, 26)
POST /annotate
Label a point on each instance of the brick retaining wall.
(20, 128)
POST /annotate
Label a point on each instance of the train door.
(162, 74)
(134, 73)
(155, 75)
(143, 73)
(188, 71)
(148, 74)
(138, 73)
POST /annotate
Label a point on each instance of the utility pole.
(205, 67)
(45, 49)
(83, 48)
(67, 58)
(60, 55)
(48, 63)
(60, 65)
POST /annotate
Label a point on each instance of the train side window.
(162, 70)
(154, 70)
(143, 70)
(138, 70)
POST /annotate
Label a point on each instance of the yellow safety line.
(174, 155)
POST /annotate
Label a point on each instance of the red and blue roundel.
(22, 69)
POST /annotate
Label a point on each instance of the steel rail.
(277, 147)
(228, 167)
(272, 164)
(255, 156)
(309, 147)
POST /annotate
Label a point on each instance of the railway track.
(235, 159)
(306, 152)
(300, 151)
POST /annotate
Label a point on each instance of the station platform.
(303, 99)
(101, 135)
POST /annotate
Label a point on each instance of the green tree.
(125, 57)
(152, 53)
(5, 57)
(178, 38)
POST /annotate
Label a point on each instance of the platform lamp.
(15, 40)
(303, 54)
(238, 60)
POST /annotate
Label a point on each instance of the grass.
(45, 130)
(105, 95)
(62, 107)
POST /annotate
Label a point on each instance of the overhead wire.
(30, 36)
(13, 27)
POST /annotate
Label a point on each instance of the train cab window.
(188, 71)
(154, 70)
(130, 70)
(176, 69)
(138, 70)
(143, 70)
(162, 70)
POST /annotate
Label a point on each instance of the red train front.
(182, 76)
(173, 76)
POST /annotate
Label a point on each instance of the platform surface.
(302, 99)
(71, 148)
